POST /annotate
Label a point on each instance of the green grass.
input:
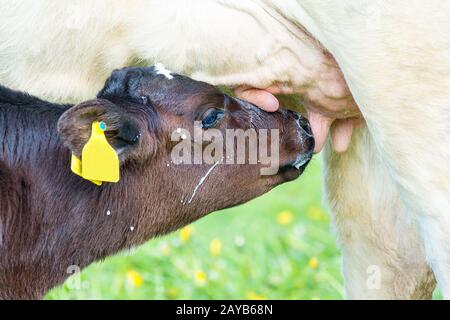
(258, 252)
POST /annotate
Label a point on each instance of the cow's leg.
(396, 61)
(417, 157)
(382, 255)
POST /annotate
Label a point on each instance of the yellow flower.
(313, 263)
(285, 217)
(317, 213)
(165, 249)
(215, 247)
(254, 296)
(186, 233)
(134, 278)
(200, 277)
(172, 293)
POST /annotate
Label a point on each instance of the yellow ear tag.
(99, 161)
(75, 166)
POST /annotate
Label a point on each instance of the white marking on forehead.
(161, 69)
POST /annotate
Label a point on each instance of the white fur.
(390, 193)
(161, 69)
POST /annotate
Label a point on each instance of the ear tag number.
(99, 161)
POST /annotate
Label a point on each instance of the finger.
(263, 99)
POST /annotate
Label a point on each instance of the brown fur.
(51, 219)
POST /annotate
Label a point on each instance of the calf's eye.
(211, 117)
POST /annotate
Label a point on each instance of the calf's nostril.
(310, 144)
(304, 124)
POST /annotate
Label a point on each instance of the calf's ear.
(122, 130)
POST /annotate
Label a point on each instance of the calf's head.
(187, 148)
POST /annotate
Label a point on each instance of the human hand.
(321, 121)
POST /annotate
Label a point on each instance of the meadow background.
(278, 246)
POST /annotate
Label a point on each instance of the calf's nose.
(303, 123)
(307, 135)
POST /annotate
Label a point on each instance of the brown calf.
(51, 219)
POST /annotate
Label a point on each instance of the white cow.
(389, 188)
